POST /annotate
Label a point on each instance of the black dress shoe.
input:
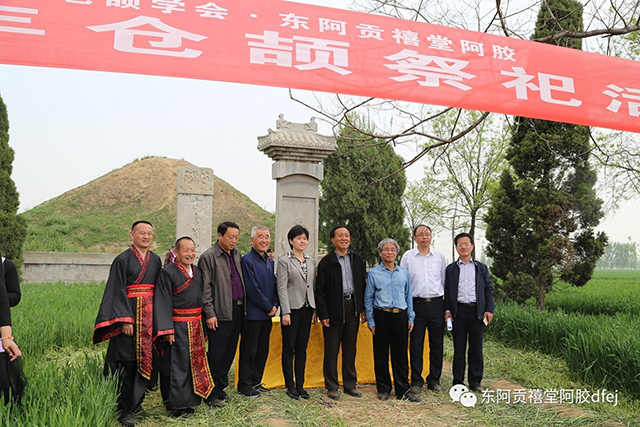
(333, 394)
(383, 396)
(177, 413)
(128, 421)
(214, 403)
(410, 397)
(140, 412)
(261, 388)
(476, 388)
(224, 397)
(435, 387)
(304, 394)
(249, 392)
(293, 394)
(353, 392)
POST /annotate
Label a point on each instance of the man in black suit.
(468, 300)
(339, 299)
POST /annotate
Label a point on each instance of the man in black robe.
(125, 319)
(185, 378)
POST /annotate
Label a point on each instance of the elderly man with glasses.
(388, 307)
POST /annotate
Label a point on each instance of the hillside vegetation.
(97, 216)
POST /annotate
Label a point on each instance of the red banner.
(280, 43)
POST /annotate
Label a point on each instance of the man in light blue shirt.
(388, 308)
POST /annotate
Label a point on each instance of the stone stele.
(195, 205)
(298, 151)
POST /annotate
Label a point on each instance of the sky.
(69, 127)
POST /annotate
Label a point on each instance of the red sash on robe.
(143, 292)
(202, 379)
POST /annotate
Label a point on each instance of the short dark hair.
(223, 226)
(177, 244)
(332, 233)
(140, 222)
(415, 230)
(461, 235)
(296, 231)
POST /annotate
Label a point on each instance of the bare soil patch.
(436, 409)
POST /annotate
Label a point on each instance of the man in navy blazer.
(261, 306)
(468, 301)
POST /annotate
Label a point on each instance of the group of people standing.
(159, 318)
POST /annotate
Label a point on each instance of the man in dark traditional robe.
(185, 378)
(125, 319)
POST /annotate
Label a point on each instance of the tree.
(617, 154)
(421, 207)
(461, 174)
(352, 196)
(541, 222)
(13, 227)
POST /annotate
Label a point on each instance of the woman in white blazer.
(296, 276)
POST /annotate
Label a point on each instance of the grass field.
(608, 292)
(53, 325)
(595, 328)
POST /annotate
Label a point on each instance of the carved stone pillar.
(298, 150)
(195, 205)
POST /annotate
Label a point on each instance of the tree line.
(620, 256)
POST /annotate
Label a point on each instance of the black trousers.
(295, 338)
(131, 385)
(429, 316)
(467, 326)
(343, 335)
(254, 351)
(392, 331)
(223, 343)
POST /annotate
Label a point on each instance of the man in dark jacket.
(339, 300)
(262, 304)
(468, 300)
(223, 298)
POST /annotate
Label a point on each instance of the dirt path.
(436, 409)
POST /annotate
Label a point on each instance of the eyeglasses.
(423, 235)
(464, 245)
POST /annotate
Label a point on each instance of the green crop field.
(608, 292)
(53, 326)
(596, 329)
